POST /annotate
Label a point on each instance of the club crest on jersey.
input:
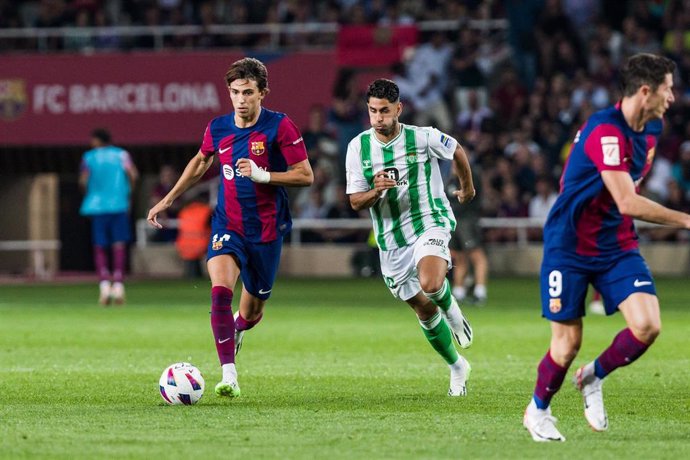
(217, 243)
(555, 305)
(258, 147)
(411, 156)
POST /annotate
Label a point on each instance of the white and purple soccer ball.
(181, 383)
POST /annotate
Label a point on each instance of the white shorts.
(399, 266)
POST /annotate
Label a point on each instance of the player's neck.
(393, 135)
(250, 120)
(633, 113)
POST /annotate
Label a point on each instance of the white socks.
(229, 372)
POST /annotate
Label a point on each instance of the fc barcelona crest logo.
(555, 305)
(13, 99)
(258, 148)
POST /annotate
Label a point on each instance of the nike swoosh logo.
(639, 283)
(223, 340)
(224, 150)
(261, 291)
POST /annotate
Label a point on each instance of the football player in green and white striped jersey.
(392, 169)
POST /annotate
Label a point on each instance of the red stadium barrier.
(143, 98)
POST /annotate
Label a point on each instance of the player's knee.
(647, 332)
(430, 285)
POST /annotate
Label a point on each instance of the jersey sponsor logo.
(445, 140)
(393, 173)
(555, 305)
(13, 99)
(228, 172)
(639, 283)
(611, 150)
(258, 148)
(297, 141)
(366, 164)
(218, 241)
(650, 155)
(577, 137)
(221, 150)
(434, 242)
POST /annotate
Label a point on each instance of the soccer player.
(108, 175)
(392, 169)
(589, 237)
(260, 152)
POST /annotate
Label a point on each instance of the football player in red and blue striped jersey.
(260, 152)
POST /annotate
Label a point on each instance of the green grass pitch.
(337, 369)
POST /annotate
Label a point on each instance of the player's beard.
(387, 130)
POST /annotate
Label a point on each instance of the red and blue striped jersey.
(258, 212)
(585, 220)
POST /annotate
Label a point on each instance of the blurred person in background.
(194, 232)
(108, 175)
(466, 243)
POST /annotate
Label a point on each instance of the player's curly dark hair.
(102, 135)
(248, 69)
(383, 89)
(644, 69)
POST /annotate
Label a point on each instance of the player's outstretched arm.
(622, 188)
(464, 172)
(299, 174)
(365, 200)
(196, 168)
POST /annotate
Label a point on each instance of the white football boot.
(590, 386)
(596, 307)
(104, 289)
(458, 379)
(462, 331)
(117, 293)
(239, 335)
(541, 424)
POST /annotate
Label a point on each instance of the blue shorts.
(258, 261)
(564, 284)
(110, 228)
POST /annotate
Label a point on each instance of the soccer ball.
(181, 383)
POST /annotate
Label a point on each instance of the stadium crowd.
(514, 97)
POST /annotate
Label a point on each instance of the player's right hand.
(152, 217)
(383, 182)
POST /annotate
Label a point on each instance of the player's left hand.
(465, 195)
(248, 168)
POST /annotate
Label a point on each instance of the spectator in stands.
(107, 175)
(681, 170)
(345, 116)
(543, 200)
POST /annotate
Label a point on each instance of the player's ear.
(399, 109)
(264, 92)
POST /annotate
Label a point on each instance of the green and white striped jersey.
(419, 202)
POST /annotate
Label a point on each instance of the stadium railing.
(273, 30)
(38, 249)
(522, 226)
